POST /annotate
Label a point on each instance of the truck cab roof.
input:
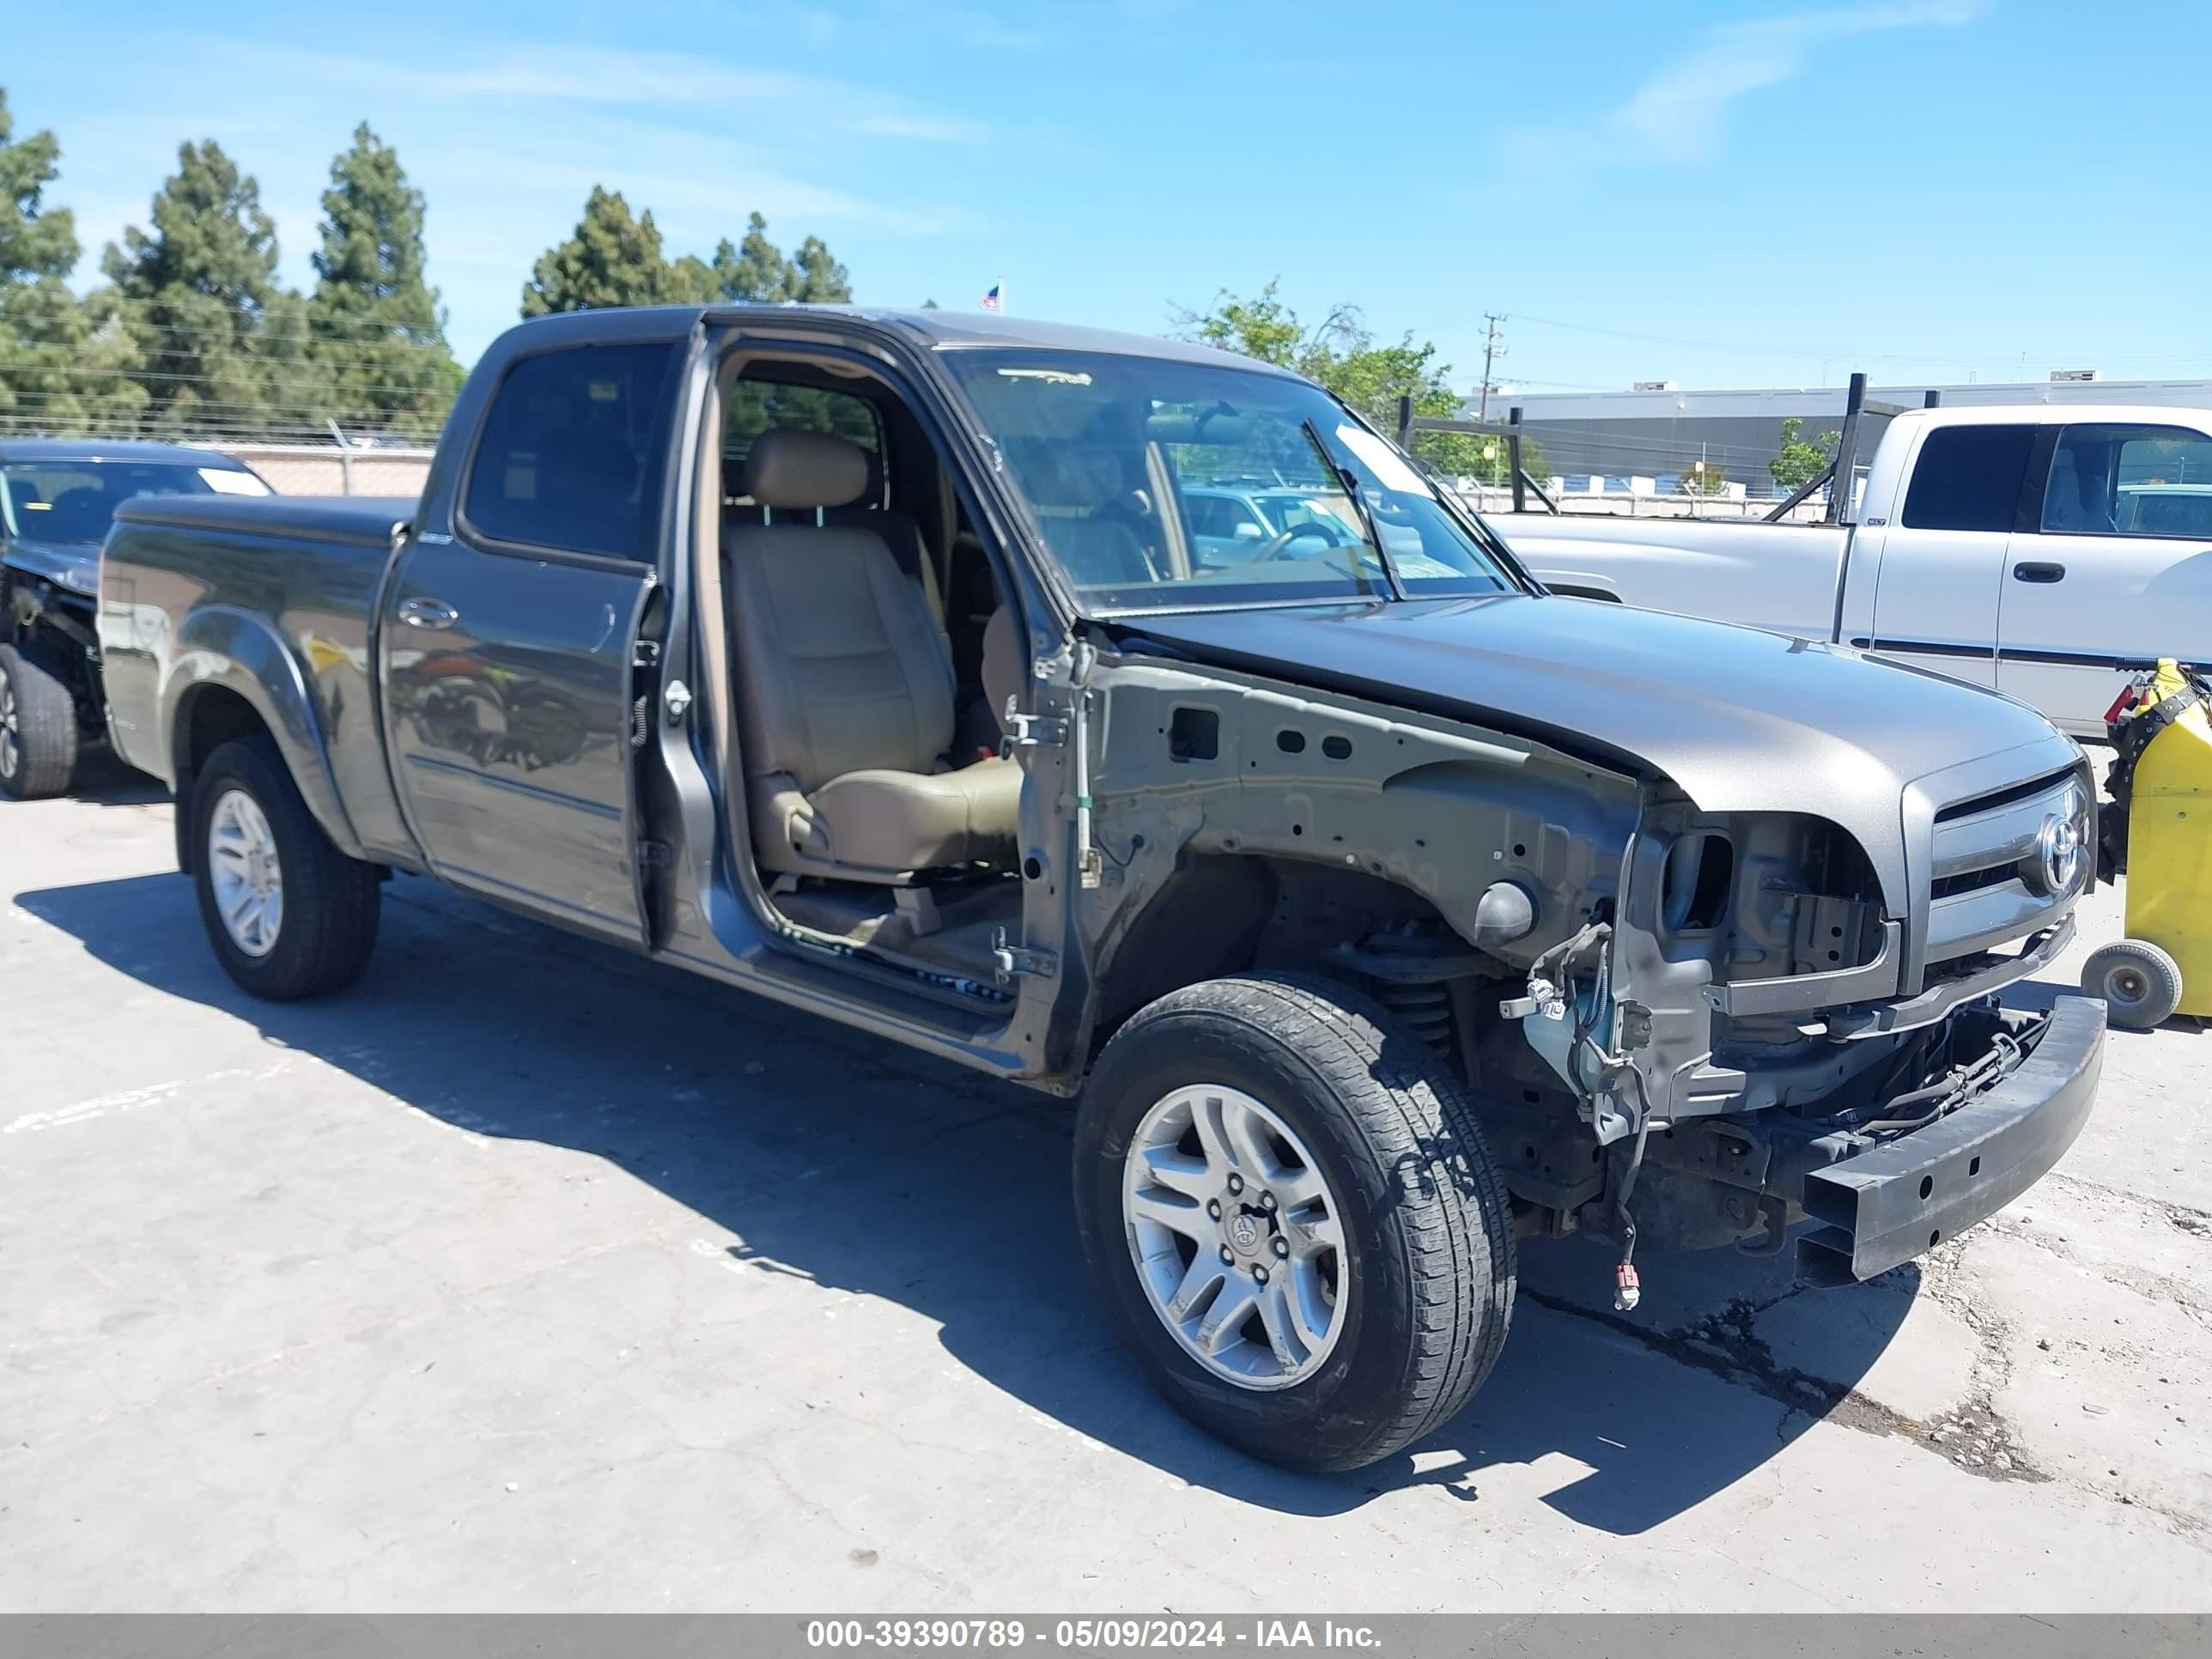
(937, 329)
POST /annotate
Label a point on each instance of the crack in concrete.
(1973, 1437)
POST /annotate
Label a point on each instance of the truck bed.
(288, 583)
(1777, 576)
(371, 518)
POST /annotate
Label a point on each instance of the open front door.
(512, 646)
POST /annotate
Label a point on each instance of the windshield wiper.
(1350, 485)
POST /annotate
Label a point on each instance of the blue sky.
(1723, 195)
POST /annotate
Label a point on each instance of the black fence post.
(1406, 422)
(1933, 400)
(1839, 491)
(1513, 459)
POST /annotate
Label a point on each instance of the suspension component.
(1425, 1007)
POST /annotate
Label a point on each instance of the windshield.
(75, 500)
(1161, 486)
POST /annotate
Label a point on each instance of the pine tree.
(373, 325)
(692, 282)
(820, 279)
(59, 370)
(755, 271)
(195, 295)
(611, 260)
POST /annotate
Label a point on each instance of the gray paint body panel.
(1739, 720)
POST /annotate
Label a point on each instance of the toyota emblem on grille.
(2057, 859)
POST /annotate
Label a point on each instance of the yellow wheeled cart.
(2159, 829)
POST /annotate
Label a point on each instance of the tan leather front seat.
(845, 688)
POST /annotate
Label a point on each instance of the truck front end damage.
(1765, 1030)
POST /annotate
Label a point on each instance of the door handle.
(2036, 571)
(428, 613)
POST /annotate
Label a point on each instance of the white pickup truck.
(2047, 551)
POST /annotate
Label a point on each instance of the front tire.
(2140, 983)
(289, 915)
(38, 730)
(1301, 1123)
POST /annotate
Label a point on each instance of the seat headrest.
(1068, 475)
(791, 469)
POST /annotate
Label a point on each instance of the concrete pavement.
(527, 1275)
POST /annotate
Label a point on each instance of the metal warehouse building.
(1658, 433)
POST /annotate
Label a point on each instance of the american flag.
(993, 298)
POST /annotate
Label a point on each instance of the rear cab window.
(570, 451)
(1969, 477)
(758, 406)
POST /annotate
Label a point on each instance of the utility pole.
(1492, 349)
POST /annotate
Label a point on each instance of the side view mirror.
(1246, 530)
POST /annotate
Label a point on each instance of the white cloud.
(505, 167)
(594, 76)
(1679, 113)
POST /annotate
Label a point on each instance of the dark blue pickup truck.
(58, 497)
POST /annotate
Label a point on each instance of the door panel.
(508, 691)
(2082, 613)
(2111, 571)
(1935, 595)
(1935, 601)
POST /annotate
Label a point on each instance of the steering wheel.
(1278, 547)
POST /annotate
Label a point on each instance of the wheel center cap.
(1245, 1234)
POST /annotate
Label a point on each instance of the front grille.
(1989, 881)
(1971, 881)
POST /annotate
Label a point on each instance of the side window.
(2129, 480)
(570, 451)
(1968, 477)
(758, 406)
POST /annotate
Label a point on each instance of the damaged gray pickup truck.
(1385, 912)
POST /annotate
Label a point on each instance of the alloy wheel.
(248, 878)
(1237, 1240)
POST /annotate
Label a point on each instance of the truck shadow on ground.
(101, 779)
(850, 1162)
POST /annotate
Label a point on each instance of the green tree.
(1371, 375)
(374, 324)
(196, 292)
(754, 269)
(1801, 462)
(60, 371)
(817, 278)
(692, 282)
(1704, 478)
(613, 259)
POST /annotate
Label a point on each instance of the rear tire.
(38, 730)
(325, 903)
(2140, 983)
(1421, 1297)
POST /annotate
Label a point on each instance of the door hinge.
(1034, 731)
(655, 856)
(1013, 959)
